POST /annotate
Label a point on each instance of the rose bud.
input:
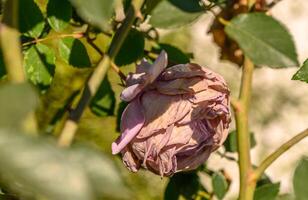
(175, 117)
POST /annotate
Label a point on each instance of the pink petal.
(161, 111)
(158, 66)
(131, 92)
(130, 160)
(131, 122)
(182, 71)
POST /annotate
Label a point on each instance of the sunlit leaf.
(267, 192)
(132, 48)
(16, 101)
(103, 103)
(39, 62)
(31, 20)
(263, 39)
(96, 12)
(302, 73)
(74, 52)
(175, 13)
(220, 185)
(59, 13)
(300, 180)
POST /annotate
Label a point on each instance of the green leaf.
(31, 20)
(182, 184)
(74, 52)
(285, 197)
(220, 185)
(175, 13)
(267, 192)
(263, 39)
(59, 13)
(39, 62)
(175, 55)
(96, 12)
(132, 48)
(31, 165)
(103, 103)
(302, 73)
(300, 180)
(16, 101)
(231, 142)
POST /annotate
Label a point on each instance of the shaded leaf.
(175, 13)
(300, 180)
(175, 55)
(302, 73)
(231, 142)
(132, 48)
(267, 192)
(16, 101)
(182, 184)
(74, 52)
(36, 167)
(103, 103)
(96, 12)
(121, 108)
(263, 39)
(39, 63)
(31, 20)
(59, 13)
(220, 185)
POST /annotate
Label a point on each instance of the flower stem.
(10, 43)
(70, 126)
(276, 154)
(241, 118)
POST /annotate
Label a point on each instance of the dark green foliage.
(175, 13)
(2, 66)
(175, 55)
(74, 52)
(103, 103)
(31, 20)
(231, 142)
(267, 192)
(132, 48)
(59, 13)
(182, 184)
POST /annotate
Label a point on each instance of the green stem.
(70, 126)
(241, 118)
(276, 154)
(10, 43)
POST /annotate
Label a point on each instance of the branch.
(241, 109)
(10, 43)
(276, 154)
(70, 126)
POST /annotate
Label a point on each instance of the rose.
(176, 117)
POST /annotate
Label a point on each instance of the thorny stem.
(9, 36)
(70, 126)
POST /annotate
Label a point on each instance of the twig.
(74, 35)
(10, 43)
(276, 154)
(70, 126)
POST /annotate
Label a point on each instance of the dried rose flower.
(176, 117)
